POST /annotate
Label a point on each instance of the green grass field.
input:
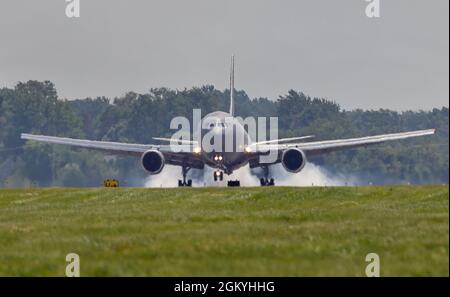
(225, 231)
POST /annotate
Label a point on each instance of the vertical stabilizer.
(232, 87)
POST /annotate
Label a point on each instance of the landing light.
(248, 149)
(197, 150)
(218, 158)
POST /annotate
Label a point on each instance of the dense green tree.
(34, 107)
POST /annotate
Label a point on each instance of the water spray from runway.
(168, 178)
(311, 175)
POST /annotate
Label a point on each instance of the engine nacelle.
(293, 160)
(153, 161)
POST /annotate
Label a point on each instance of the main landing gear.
(265, 181)
(183, 183)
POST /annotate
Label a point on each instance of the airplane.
(190, 154)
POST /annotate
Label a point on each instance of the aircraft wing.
(320, 147)
(183, 155)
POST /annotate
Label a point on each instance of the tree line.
(34, 107)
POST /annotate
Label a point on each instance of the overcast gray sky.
(325, 48)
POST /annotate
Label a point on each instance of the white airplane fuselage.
(230, 153)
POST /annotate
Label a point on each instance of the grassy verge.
(226, 231)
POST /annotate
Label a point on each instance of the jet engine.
(293, 160)
(153, 161)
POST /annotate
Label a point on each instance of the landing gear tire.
(183, 182)
(267, 182)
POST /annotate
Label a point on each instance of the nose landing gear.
(218, 175)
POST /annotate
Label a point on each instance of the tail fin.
(232, 87)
